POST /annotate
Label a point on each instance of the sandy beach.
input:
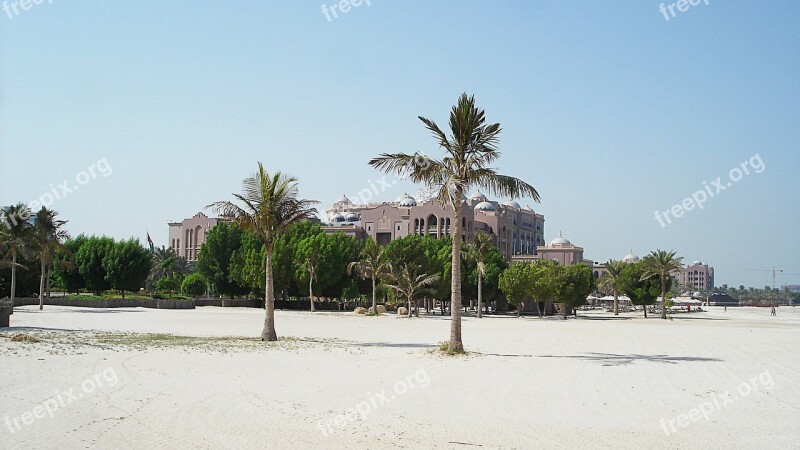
(112, 378)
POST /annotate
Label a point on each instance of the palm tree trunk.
(663, 298)
(268, 333)
(409, 307)
(455, 344)
(311, 292)
(645, 311)
(41, 284)
(13, 276)
(616, 303)
(374, 301)
(480, 297)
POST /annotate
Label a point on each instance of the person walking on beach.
(725, 309)
(772, 312)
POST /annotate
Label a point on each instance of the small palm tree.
(16, 238)
(310, 264)
(477, 252)
(372, 265)
(661, 263)
(166, 263)
(269, 206)
(49, 236)
(611, 280)
(407, 281)
(469, 151)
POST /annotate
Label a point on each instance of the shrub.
(194, 285)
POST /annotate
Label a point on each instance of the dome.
(697, 294)
(696, 263)
(478, 197)
(630, 257)
(528, 208)
(560, 241)
(351, 217)
(406, 201)
(338, 217)
(484, 206)
(512, 204)
(344, 199)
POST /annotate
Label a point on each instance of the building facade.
(697, 275)
(515, 230)
(187, 236)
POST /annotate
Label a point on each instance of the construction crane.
(774, 272)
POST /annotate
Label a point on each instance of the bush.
(194, 285)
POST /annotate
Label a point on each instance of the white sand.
(529, 383)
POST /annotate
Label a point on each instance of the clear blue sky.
(610, 110)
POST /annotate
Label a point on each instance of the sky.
(132, 114)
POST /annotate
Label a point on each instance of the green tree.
(194, 285)
(545, 282)
(269, 206)
(214, 260)
(575, 283)
(65, 271)
(517, 283)
(642, 290)
(16, 238)
(127, 266)
(611, 280)
(372, 264)
(167, 263)
(478, 252)
(661, 263)
(169, 283)
(49, 236)
(409, 281)
(469, 151)
(89, 260)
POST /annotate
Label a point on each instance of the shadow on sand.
(611, 359)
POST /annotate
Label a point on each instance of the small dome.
(406, 201)
(484, 206)
(478, 197)
(560, 241)
(344, 199)
(528, 208)
(338, 217)
(697, 294)
(512, 204)
(351, 217)
(630, 257)
(696, 263)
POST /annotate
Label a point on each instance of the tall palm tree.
(611, 280)
(16, 238)
(49, 236)
(469, 150)
(372, 264)
(269, 206)
(661, 263)
(477, 252)
(407, 281)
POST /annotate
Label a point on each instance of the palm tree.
(49, 237)
(477, 251)
(371, 265)
(611, 280)
(469, 150)
(16, 234)
(661, 263)
(310, 264)
(166, 263)
(407, 281)
(269, 206)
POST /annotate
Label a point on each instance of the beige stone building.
(697, 275)
(516, 230)
(187, 236)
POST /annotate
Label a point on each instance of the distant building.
(515, 230)
(698, 276)
(187, 236)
